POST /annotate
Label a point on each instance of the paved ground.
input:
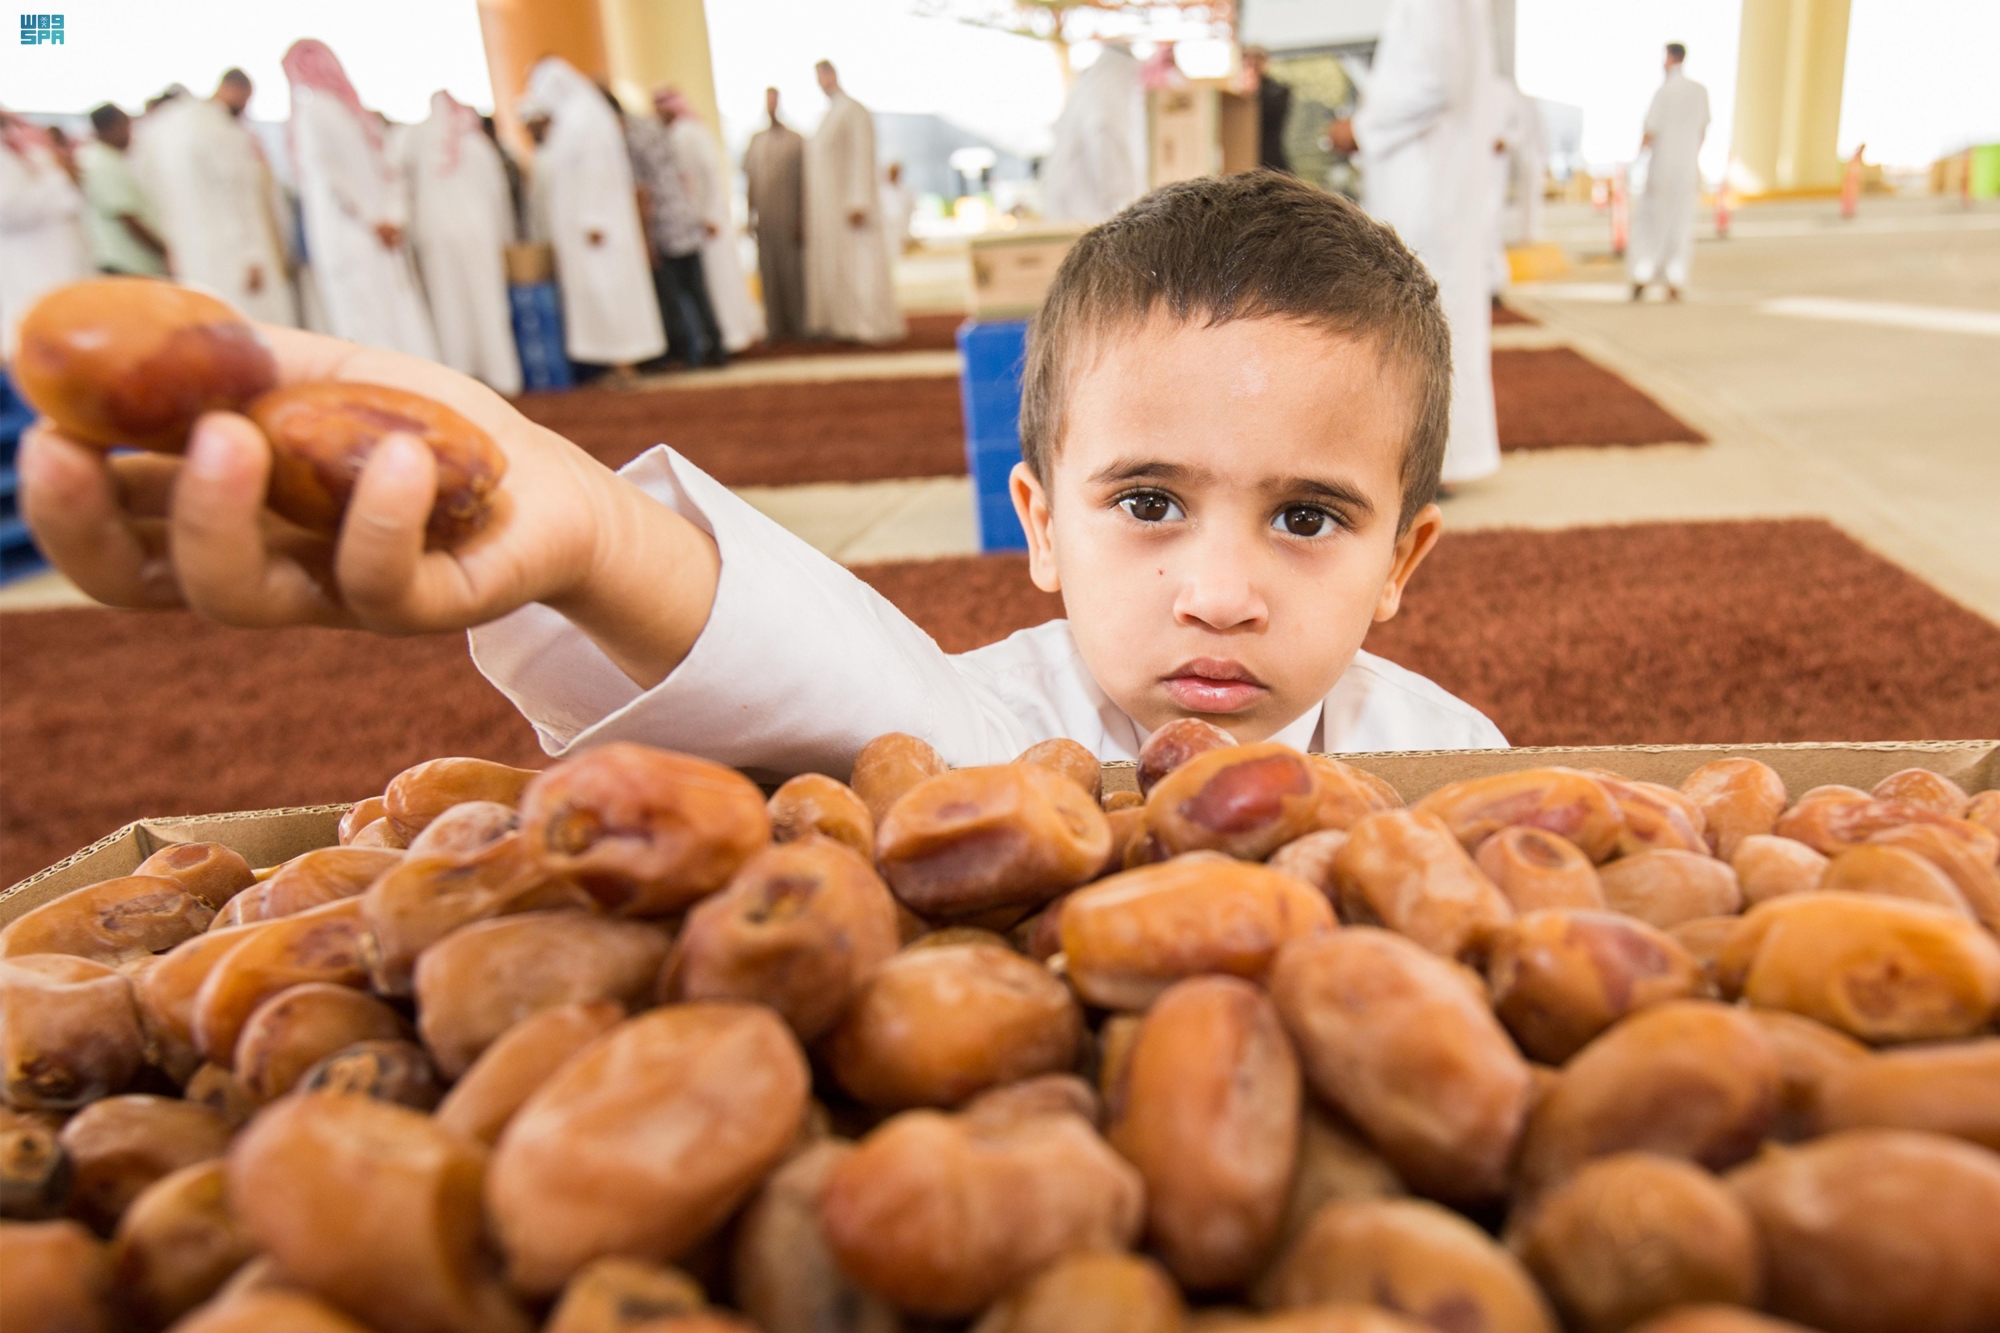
(1844, 370)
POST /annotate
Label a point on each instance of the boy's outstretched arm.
(147, 530)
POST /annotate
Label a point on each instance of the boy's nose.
(1218, 591)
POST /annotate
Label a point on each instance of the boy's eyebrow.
(1331, 491)
(1309, 488)
(1147, 469)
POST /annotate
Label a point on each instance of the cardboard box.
(530, 263)
(1012, 270)
(267, 837)
(1201, 129)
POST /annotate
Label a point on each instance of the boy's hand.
(149, 530)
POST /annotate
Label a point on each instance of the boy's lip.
(1213, 685)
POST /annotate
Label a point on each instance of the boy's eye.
(1150, 506)
(1302, 520)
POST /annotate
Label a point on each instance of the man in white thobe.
(42, 243)
(1097, 164)
(462, 218)
(850, 293)
(1520, 160)
(708, 184)
(213, 190)
(1662, 244)
(588, 209)
(355, 216)
(1425, 134)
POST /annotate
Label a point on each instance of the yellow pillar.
(654, 42)
(520, 32)
(1790, 65)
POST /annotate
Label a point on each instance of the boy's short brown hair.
(1259, 245)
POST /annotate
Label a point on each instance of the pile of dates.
(625, 1044)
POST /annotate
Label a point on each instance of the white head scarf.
(558, 92)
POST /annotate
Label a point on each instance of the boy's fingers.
(382, 537)
(145, 483)
(217, 533)
(71, 503)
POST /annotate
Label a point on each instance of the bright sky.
(1919, 74)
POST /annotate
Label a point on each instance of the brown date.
(374, 1208)
(1984, 810)
(359, 816)
(1245, 801)
(1878, 1229)
(465, 829)
(1334, 1163)
(1044, 1094)
(1413, 1257)
(388, 1071)
(1403, 1043)
(117, 921)
(1403, 869)
(814, 803)
(888, 766)
(1972, 873)
(35, 1171)
(1207, 1107)
(322, 435)
(1949, 1088)
(265, 1309)
(297, 1028)
(800, 928)
(973, 840)
(1070, 759)
(1098, 1292)
(1717, 1319)
(1738, 798)
(1808, 1055)
(1770, 867)
(478, 981)
(1309, 859)
(1114, 801)
(425, 897)
(1893, 873)
(168, 988)
(221, 1092)
(1535, 869)
(311, 880)
(1346, 793)
(318, 944)
(133, 362)
(1834, 823)
(57, 1279)
(1704, 937)
(1560, 978)
(1173, 745)
(615, 1295)
(1919, 786)
(1127, 938)
(381, 833)
(1687, 1078)
(520, 1060)
(1563, 801)
(646, 832)
(120, 1145)
(784, 1278)
(646, 1140)
(940, 1214)
(1656, 817)
(1881, 969)
(69, 1031)
(422, 792)
(1635, 1235)
(208, 870)
(176, 1244)
(933, 1025)
(1666, 887)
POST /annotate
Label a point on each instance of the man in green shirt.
(124, 236)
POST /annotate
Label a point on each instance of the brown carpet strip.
(928, 333)
(1654, 633)
(876, 430)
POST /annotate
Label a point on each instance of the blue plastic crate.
(990, 397)
(999, 526)
(538, 334)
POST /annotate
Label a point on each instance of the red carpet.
(1655, 633)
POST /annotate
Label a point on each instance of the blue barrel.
(538, 333)
(993, 352)
(18, 556)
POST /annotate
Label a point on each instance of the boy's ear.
(1411, 548)
(1031, 502)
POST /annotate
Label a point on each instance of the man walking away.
(1662, 245)
(124, 235)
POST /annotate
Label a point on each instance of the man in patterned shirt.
(674, 233)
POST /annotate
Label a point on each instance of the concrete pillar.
(520, 32)
(1790, 65)
(651, 42)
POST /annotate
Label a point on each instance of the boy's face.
(1221, 517)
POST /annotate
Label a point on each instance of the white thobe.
(1097, 163)
(739, 317)
(1518, 167)
(366, 290)
(800, 664)
(213, 191)
(42, 244)
(583, 185)
(849, 291)
(1425, 129)
(1662, 242)
(461, 219)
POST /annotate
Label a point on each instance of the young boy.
(1233, 418)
